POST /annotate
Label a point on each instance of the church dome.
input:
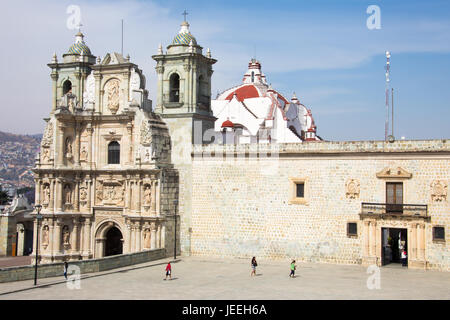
(79, 47)
(184, 36)
(227, 124)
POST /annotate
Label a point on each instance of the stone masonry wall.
(241, 203)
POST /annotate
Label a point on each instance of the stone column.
(413, 241)
(138, 196)
(138, 236)
(77, 131)
(59, 196)
(194, 89)
(128, 241)
(163, 235)
(74, 244)
(38, 191)
(154, 190)
(130, 139)
(158, 237)
(187, 82)
(54, 76)
(420, 245)
(366, 238)
(51, 205)
(51, 236)
(89, 193)
(98, 92)
(60, 147)
(90, 147)
(57, 239)
(153, 236)
(133, 237)
(372, 239)
(87, 238)
(77, 194)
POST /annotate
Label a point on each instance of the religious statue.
(45, 235)
(45, 154)
(68, 147)
(66, 235)
(68, 193)
(147, 238)
(46, 193)
(113, 95)
(83, 194)
(83, 155)
(147, 195)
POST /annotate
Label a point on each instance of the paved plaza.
(205, 278)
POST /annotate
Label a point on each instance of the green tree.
(4, 197)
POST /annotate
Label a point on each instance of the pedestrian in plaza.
(404, 256)
(168, 271)
(66, 266)
(254, 265)
(293, 267)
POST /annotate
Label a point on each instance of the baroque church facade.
(103, 175)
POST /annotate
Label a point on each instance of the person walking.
(404, 256)
(66, 266)
(168, 271)
(254, 265)
(293, 267)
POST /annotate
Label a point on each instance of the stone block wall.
(241, 203)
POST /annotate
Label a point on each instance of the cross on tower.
(185, 14)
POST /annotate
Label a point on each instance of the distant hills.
(17, 156)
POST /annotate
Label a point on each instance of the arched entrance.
(113, 242)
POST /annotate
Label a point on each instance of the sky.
(322, 50)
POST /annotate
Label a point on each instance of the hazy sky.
(320, 49)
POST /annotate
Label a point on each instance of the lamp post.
(38, 218)
(175, 202)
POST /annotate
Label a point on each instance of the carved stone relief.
(110, 193)
(146, 135)
(68, 148)
(112, 91)
(68, 194)
(438, 191)
(147, 195)
(46, 195)
(45, 236)
(89, 92)
(66, 237)
(83, 153)
(352, 189)
(48, 135)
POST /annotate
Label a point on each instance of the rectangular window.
(438, 233)
(394, 197)
(298, 191)
(352, 229)
(300, 188)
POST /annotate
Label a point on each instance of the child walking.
(293, 267)
(254, 265)
(168, 271)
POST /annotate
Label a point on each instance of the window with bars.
(352, 229)
(438, 233)
(114, 153)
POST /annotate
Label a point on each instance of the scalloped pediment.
(397, 173)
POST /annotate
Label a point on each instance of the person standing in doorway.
(66, 266)
(293, 267)
(168, 271)
(254, 265)
(404, 257)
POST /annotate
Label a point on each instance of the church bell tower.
(184, 92)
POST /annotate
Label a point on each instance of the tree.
(4, 197)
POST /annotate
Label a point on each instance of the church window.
(299, 191)
(174, 88)
(253, 76)
(113, 153)
(352, 229)
(438, 233)
(67, 86)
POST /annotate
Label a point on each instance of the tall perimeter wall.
(244, 202)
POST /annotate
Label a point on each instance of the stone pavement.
(15, 261)
(206, 278)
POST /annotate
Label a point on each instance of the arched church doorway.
(113, 242)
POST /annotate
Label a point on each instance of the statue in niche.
(45, 236)
(147, 195)
(66, 235)
(48, 135)
(45, 155)
(46, 194)
(147, 155)
(147, 238)
(83, 154)
(113, 95)
(68, 193)
(83, 194)
(69, 148)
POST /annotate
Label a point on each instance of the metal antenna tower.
(387, 67)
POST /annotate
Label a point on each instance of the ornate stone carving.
(68, 148)
(147, 195)
(110, 192)
(352, 189)
(147, 235)
(66, 237)
(48, 135)
(46, 194)
(45, 154)
(146, 135)
(159, 69)
(89, 92)
(135, 81)
(68, 194)
(83, 153)
(398, 173)
(45, 236)
(112, 91)
(438, 191)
